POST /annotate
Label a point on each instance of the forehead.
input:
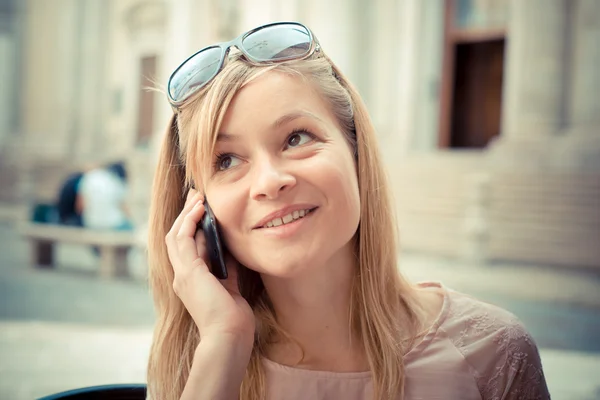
(270, 96)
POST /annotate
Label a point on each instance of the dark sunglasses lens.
(195, 73)
(278, 42)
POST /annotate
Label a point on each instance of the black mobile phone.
(214, 246)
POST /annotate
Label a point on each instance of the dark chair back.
(105, 392)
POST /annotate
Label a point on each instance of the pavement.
(41, 358)
(533, 282)
(65, 328)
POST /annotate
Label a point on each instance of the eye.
(298, 139)
(226, 161)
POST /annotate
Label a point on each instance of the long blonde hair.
(384, 312)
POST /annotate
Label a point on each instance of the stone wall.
(532, 196)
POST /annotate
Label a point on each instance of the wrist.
(231, 346)
(219, 366)
(228, 336)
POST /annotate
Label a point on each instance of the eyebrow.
(226, 137)
(287, 118)
(293, 116)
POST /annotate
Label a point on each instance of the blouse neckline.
(411, 355)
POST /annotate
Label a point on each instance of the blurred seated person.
(69, 206)
(67, 209)
(101, 198)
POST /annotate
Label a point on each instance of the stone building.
(487, 110)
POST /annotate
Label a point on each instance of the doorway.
(472, 77)
(477, 99)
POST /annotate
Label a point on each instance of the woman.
(281, 146)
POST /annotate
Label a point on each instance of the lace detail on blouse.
(501, 351)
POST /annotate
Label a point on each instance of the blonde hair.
(384, 312)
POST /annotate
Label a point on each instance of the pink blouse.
(474, 350)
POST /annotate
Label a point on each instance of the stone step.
(526, 216)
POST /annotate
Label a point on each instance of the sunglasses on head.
(267, 44)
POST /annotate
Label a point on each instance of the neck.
(314, 309)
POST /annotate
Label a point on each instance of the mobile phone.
(214, 246)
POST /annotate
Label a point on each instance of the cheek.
(336, 175)
(228, 206)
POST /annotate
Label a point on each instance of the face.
(284, 187)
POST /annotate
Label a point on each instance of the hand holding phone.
(216, 305)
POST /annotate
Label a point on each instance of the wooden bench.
(112, 245)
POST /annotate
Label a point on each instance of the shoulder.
(99, 177)
(93, 176)
(501, 352)
(470, 319)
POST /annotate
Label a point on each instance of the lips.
(284, 216)
(286, 219)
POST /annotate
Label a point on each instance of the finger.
(190, 195)
(171, 238)
(186, 209)
(188, 251)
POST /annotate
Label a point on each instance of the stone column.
(7, 109)
(535, 67)
(49, 90)
(412, 87)
(534, 107)
(579, 145)
(89, 138)
(584, 110)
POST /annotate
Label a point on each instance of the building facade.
(487, 110)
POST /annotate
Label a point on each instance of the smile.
(289, 218)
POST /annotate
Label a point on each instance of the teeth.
(287, 218)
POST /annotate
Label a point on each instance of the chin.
(286, 266)
(281, 270)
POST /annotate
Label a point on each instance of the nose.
(270, 180)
